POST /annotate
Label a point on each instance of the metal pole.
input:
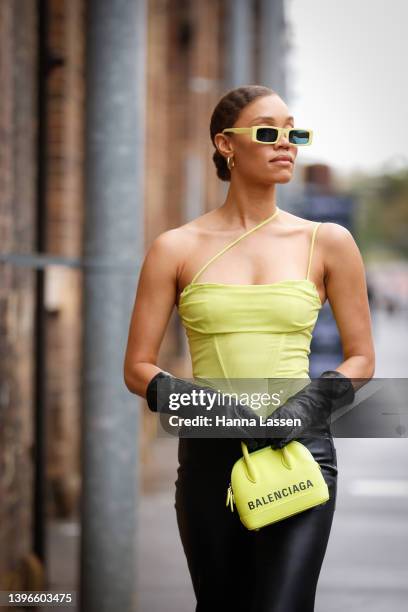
(115, 107)
(241, 41)
(272, 70)
(273, 66)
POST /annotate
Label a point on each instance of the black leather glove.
(163, 384)
(313, 405)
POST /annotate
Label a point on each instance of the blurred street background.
(104, 144)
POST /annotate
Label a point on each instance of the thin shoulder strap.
(234, 242)
(311, 248)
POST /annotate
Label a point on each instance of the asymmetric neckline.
(190, 286)
(234, 242)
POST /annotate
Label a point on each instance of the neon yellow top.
(250, 331)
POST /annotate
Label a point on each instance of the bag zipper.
(230, 498)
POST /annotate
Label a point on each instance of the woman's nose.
(283, 141)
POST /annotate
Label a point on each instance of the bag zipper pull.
(230, 498)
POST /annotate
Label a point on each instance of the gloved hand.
(313, 405)
(163, 384)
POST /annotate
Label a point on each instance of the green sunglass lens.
(299, 137)
(267, 134)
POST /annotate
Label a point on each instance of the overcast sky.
(348, 64)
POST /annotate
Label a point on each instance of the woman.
(250, 316)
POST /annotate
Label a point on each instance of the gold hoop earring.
(230, 166)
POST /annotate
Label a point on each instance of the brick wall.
(184, 77)
(184, 80)
(17, 233)
(64, 203)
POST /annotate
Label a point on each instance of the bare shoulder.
(165, 244)
(164, 252)
(335, 245)
(336, 240)
(341, 252)
(332, 235)
(169, 248)
(176, 237)
(295, 223)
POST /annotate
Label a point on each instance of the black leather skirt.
(275, 569)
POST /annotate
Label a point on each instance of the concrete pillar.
(272, 67)
(113, 247)
(240, 34)
(272, 28)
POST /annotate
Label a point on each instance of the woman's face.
(253, 160)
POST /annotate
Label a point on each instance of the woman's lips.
(281, 162)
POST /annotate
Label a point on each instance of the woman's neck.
(249, 206)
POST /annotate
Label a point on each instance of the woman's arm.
(155, 299)
(346, 289)
(154, 303)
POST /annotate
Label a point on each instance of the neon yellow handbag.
(269, 485)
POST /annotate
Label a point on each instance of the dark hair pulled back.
(225, 115)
